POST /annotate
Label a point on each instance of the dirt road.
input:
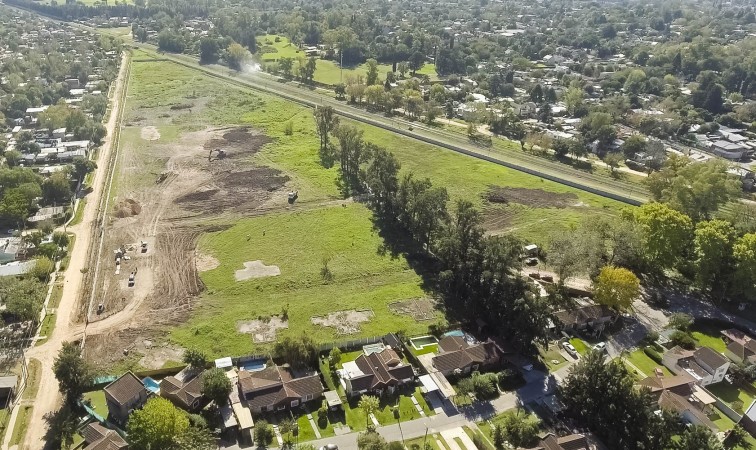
(65, 329)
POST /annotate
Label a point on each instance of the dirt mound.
(531, 197)
(236, 191)
(238, 142)
(127, 208)
(419, 309)
(345, 322)
(256, 269)
(263, 330)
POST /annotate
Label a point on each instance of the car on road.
(569, 348)
(600, 347)
(329, 447)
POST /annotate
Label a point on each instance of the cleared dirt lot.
(168, 194)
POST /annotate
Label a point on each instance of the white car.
(569, 348)
(601, 347)
(329, 447)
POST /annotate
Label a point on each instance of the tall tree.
(697, 437)
(744, 253)
(157, 425)
(602, 396)
(372, 72)
(713, 245)
(383, 180)
(667, 234)
(369, 405)
(326, 122)
(216, 386)
(74, 375)
(351, 155)
(196, 359)
(616, 287)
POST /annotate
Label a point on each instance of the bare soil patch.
(205, 262)
(127, 208)
(345, 322)
(263, 330)
(155, 356)
(238, 142)
(256, 269)
(531, 197)
(150, 133)
(420, 309)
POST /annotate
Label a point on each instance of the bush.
(737, 405)
(650, 338)
(43, 267)
(653, 354)
(510, 379)
(484, 386)
(288, 128)
(322, 417)
(683, 339)
(680, 321)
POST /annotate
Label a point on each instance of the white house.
(705, 365)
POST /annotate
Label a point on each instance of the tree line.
(476, 275)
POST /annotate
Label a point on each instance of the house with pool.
(379, 370)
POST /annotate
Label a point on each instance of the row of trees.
(476, 274)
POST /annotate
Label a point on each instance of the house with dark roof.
(592, 319)
(705, 365)
(124, 395)
(458, 356)
(680, 394)
(276, 389)
(98, 437)
(740, 347)
(184, 392)
(377, 372)
(569, 442)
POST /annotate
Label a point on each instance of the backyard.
(643, 362)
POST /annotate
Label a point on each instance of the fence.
(729, 412)
(350, 345)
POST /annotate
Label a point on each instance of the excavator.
(219, 154)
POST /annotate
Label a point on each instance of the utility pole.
(341, 65)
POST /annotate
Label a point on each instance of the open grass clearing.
(273, 48)
(644, 363)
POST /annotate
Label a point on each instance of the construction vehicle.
(219, 154)
(144, 246)
(293, 195)
(132, 278)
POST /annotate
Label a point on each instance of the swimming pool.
(151, 385)
(253, 365)
(420, 342)
(459, 333)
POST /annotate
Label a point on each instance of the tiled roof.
(573, 442)
(380, 370)
(261, 391)
(482, 353)
(125, 388)
(101, 438)
(184, 393)
(584, 314)
(710, 357)
(679, 404)
(660, 383)
(452, 343)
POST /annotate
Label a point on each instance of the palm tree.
(369, 404)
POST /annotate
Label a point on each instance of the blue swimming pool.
(151, 385)
(253, 365)
(459, 333)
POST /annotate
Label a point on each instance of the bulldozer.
(219, 154)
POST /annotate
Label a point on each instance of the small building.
(8, 388)
(378, 372)
(740, 347)
(705, 365)
(570, 442)
(333, 400)
(124, 395)
(98, 437)
(729, 150)
(11, 249)
(531, 250)
(458, 356)
(591, 319)
(185, 392)
(275, 388)
(680, 394)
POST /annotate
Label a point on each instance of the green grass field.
(645, 364)
(326, 71)
(177, 100)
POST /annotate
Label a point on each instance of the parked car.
(601, 347)
(569, 348)
(329, 447)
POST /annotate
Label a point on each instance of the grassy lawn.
(22, 424)
(421, 441)
(730, 393)
(326, 71)
(32, 382)
(348, 356)
(430, 348)
(707, 336)
(4, 420)
(407, 409)
(97, 400)
(79, 212)
(720, 420)
(548, 357)
(580, 345)
(644, 363)
(298, 242)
